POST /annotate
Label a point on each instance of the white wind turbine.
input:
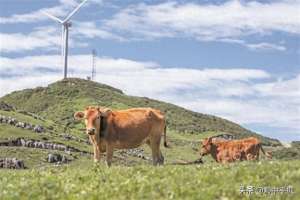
(65, 35)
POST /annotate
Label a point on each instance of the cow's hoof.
(161, 160)
(108, 164)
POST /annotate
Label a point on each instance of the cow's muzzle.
(202, 154)
(91, 131)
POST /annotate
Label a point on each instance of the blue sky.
(235, 59)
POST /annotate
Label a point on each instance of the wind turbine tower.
(65, 35)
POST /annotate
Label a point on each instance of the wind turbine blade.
(52, 17)
(74, 11)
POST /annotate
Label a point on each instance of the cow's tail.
(165, 137)
(266, 153)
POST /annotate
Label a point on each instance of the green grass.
(290, 153)
(209, 181)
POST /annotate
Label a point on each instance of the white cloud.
(227, 22)
(281, 88)
(60, 10)
(247, 96)
(266, 46)
(90, 30)
(47, 38)
(34, 16)
(29, 81)
(230, 20)
(124, 73)
(263, 46)
(267, 111)
(16, 42)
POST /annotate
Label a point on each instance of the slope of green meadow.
(208, 181)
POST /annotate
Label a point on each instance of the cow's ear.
(105, 112)
(79, 115)
(209, 140)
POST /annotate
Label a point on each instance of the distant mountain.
(61, 99)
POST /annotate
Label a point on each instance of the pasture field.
(86, 180)
(132, 176)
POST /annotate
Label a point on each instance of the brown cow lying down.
(233, 150)
(124, 129)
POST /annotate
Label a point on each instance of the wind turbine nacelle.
(68, 24)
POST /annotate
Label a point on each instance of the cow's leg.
(109, 154)
(161, 158)
(154, 157)
(149, 143)
(96, 151)
(257, 156)
(96, 154)
(156, 154)
(243, 156)
(251, 157)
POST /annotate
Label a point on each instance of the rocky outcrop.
(57, 158)
(24, 125)
(74, 138)
(225, 136)
(11, 163)
(30, 143)
(4, 106)
(137, 152)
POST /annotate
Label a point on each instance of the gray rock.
(4, 119)
(11, 121)
(56, 158)
(20, 125)
(5, 106)
(11, 163)
(28, 126)
(38, 129)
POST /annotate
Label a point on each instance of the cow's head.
(92, 117)
(206, 146)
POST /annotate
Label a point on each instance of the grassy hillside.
(209, 181)
(288, 153)
(60, 100)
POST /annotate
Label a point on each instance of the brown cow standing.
(124, 129)
(233, 150)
